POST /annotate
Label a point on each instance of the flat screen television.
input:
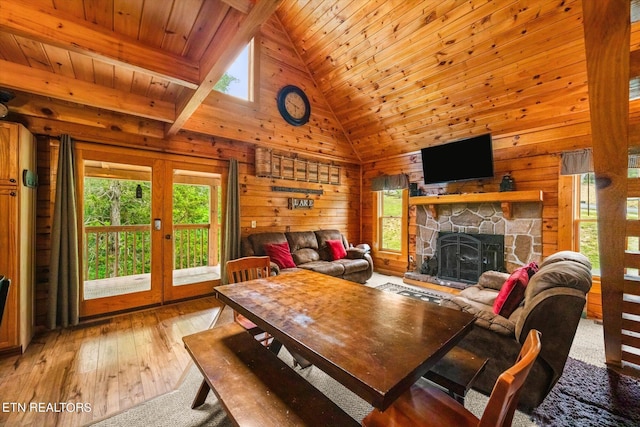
(466, 159)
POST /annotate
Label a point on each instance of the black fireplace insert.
(464, 257)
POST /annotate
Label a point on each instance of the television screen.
(466, 159)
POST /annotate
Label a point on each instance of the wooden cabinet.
(17, 234)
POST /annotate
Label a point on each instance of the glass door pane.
(196, 233)
(116, 237)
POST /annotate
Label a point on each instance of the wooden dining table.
(375, 343)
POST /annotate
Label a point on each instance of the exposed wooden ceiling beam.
(243, 6)
(52, 27)
(225, 48)
(56, 86)
(29, 104)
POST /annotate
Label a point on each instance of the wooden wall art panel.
(273, 165)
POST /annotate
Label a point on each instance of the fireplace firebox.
(464, 257)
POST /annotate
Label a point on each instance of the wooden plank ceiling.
(153, 59)
(403, 75)
(398, 75)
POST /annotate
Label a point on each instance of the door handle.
(167, 236)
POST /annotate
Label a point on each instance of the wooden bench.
(254, 386)
(456, 372)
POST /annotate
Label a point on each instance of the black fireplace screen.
(464, 257)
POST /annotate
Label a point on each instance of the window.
(237, 81)
(586, 219)
(392, 219)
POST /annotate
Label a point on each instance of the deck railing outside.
(124, 250)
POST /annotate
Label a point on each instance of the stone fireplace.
(520, 228)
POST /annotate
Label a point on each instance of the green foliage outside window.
(391, 220)
(587, 217)
(191, 204)
(113, 202)
(224, 83)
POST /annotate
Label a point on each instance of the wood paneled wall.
(44, 222)
(338, 206)
(532, 157)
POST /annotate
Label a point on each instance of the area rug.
(588, 395)
(407, 291)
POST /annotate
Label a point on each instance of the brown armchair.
(553, 304)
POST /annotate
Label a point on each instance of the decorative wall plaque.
(295, 203)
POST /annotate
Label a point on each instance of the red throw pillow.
(280, 254)
(336, 249)
(512, 292)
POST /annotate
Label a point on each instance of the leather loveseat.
(312, 250)
(554, 300)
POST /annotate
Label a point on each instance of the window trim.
(254, 74)
(377, 227)
(568, 214)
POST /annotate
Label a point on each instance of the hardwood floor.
(74, 376)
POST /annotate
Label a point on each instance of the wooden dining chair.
(249, 268)
(426, 405)
(242, 270)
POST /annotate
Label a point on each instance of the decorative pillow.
(336, 249)
(512, 292)
(280, 254)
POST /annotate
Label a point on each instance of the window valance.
(577, 162)
(390, 182)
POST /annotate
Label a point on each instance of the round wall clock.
(293, 105)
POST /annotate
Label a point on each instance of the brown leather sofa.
(553, 304)
(310, 251)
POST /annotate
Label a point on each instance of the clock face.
(293, 105)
